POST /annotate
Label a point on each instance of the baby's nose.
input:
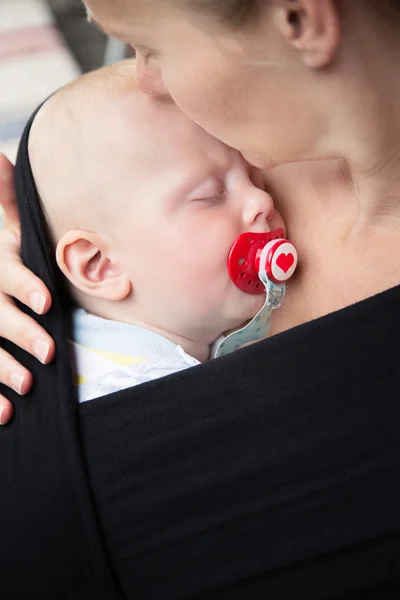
(258, 208)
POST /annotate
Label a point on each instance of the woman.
(307, 492)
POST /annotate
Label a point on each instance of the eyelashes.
(214, 200)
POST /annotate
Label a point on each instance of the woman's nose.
(258, 208)
(148, 76)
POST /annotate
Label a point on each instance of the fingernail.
(16, 382)
(41, 350)
(37, 302)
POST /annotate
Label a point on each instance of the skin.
(299, 59)
(145, 240)
(203, 66)
(307, 81)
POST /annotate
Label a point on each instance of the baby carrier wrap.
(270, 473)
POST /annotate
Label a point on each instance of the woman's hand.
(16, 281)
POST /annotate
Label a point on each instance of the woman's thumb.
(8, 200)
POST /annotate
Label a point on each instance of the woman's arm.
(18, 282)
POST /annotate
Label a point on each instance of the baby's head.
(144, 206)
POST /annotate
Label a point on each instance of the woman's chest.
(329, 279)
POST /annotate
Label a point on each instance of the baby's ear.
(83, 259)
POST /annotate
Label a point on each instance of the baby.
(143, 207)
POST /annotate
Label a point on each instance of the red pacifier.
(256, 256)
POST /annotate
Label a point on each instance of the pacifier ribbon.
(258, 263)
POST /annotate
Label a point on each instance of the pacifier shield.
(244, 259)
(277, 261)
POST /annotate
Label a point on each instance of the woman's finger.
(24, 332)
(17, 281)
(8, 198)
(6, 410)
(13, 375)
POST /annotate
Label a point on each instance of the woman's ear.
(312, 27)
(82, 258)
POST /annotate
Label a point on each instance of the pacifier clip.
(258, 263)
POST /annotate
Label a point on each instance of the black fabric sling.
(50, 544)
(272, 473)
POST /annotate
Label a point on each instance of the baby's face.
(186, 197)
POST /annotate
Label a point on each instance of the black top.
(271, 473)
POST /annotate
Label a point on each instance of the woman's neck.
(359, 99)
(347, 231)
(344, 214)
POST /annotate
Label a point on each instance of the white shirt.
(109, 356)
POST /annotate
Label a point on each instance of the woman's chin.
(260, 162)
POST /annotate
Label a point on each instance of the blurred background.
(44, 44)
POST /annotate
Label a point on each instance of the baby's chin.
(254, 305)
